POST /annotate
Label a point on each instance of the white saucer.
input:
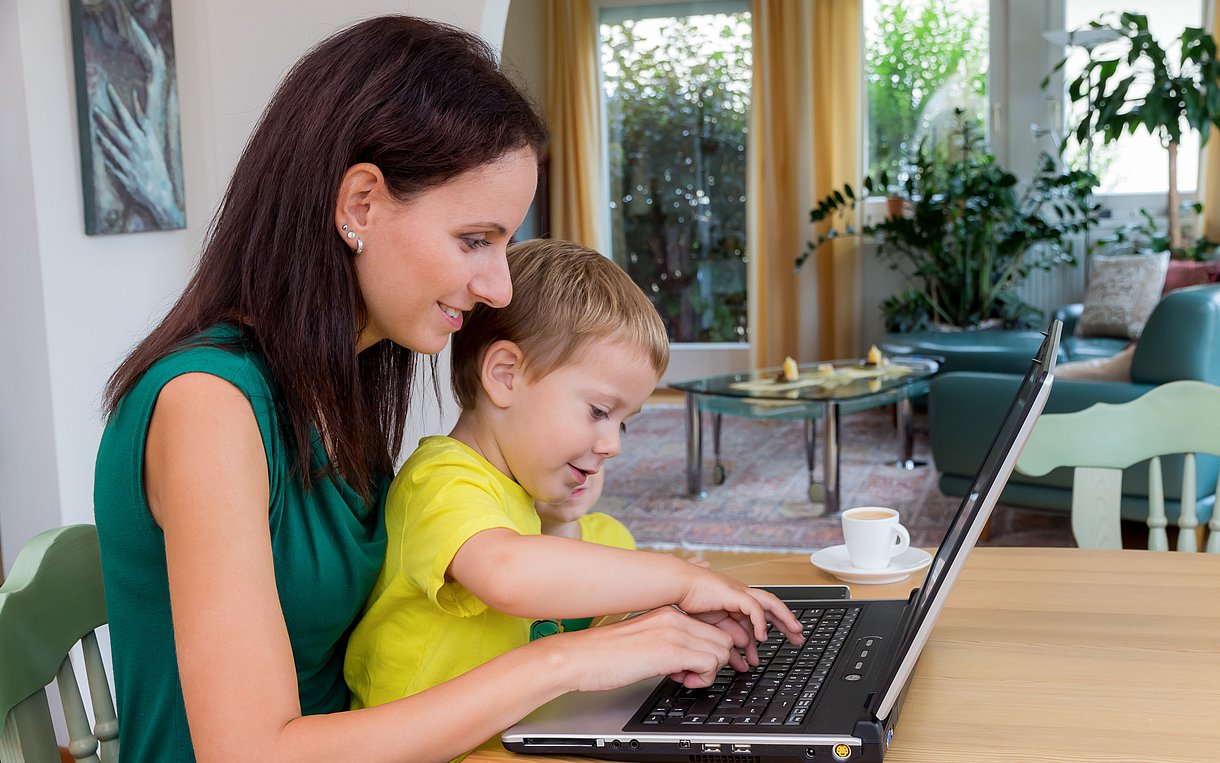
(835, 561)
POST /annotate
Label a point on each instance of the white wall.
(71, 305)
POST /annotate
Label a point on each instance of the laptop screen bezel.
(967, 524)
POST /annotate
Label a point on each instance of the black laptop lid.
(971, 515)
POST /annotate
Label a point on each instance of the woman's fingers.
(664, 642)
(739, 629)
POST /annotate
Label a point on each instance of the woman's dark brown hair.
(422, 101)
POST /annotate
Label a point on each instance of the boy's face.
(577, 504)
(560, 428)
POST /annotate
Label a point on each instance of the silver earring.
(350, 233)
(359, 246)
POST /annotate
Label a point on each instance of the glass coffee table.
(822, 391)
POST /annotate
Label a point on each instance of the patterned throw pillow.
(1123, 289)
(1117, 367)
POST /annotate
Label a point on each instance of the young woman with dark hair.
(251, 436)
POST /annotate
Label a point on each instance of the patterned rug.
(763, 503)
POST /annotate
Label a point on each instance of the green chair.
(1181, 417)
(52, 599)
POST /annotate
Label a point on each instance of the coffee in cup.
(873, 536)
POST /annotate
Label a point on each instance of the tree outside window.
(923, 59)
(677, 93)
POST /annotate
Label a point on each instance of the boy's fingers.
(783, 618)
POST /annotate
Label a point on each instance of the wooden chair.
(1102, 440)
(52, 599)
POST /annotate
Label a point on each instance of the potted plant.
(969, 234)
(1160, 93)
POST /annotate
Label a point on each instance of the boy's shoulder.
(441, 452)
(443, 460)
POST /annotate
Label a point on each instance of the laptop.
(835, 699)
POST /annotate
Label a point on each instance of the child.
(545, 385)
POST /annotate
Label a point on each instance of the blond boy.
(545, 386)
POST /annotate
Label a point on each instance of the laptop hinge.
(896, 655)
(869, 732)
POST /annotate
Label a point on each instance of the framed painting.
(127, 111)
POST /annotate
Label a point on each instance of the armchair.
(1181, 340)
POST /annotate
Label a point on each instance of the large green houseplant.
(1160, 91)
(970, 233)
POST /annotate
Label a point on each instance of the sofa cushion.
(1116, 368)
(1123, 289)
(994, 351)
(1075, 348)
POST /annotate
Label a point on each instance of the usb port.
(711, 747)
(742, 748)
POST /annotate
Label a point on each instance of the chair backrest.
(1103, 439)
(52, 599)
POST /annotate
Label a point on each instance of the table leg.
(694, 448)
(816, 493)
(719, 475)
(906, 435)
(830, 455)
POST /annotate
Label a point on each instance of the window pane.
(677, 97)
(923, 59)
(1134, 163)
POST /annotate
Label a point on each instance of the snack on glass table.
(791, 372)
(875, 358)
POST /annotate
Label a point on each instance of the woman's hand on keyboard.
(663, 642)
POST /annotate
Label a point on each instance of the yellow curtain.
(838, 69)
(1209, 175)
(805, 130)
(577, 189)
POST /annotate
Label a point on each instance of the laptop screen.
(973, 513)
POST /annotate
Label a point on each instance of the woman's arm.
(206, 481)
(546, 576)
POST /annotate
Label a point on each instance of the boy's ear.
(501, 372)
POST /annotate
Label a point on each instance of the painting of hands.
(127, 105)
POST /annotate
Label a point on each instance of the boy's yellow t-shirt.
(420, 629)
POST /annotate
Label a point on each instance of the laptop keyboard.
(778, 692)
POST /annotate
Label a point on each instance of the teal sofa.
(1181, 340)
(1001, 352)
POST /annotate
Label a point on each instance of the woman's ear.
(362, 184)
(502, 372)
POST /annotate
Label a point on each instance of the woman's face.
(428, 261)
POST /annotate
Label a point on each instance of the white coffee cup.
(873, 536)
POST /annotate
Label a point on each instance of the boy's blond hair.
(564, 296)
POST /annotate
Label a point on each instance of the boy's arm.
(543, 576)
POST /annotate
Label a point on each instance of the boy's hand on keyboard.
(711, 593)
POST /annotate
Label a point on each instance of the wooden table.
(1049, 655)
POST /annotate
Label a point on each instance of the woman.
(250, 436)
